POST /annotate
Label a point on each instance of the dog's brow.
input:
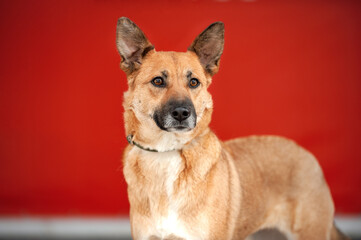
(189, 74)
(165, 74)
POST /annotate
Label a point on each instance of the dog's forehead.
(179, 63)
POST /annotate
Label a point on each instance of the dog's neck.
(148, 139)
(199, 154)
(132, 142)
(166, 141)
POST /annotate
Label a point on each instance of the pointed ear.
(132, 45)
(209, 47)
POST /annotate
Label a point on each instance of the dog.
(183, 182)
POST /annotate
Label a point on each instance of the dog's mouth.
(166, 123)
(179, 129)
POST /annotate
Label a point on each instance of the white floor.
(106, 227)
(65, 227)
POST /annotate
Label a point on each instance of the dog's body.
(183, 182)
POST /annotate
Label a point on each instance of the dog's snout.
(176, 115)
(180, 113)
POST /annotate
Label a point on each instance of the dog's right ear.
(132, 45)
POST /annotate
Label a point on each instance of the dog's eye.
(193, 83)
(158, 82)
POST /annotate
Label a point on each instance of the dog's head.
(167, 103)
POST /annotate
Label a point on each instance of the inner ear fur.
(209, 47)
(132, 45)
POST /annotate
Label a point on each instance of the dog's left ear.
(132, 45)
(209, 47)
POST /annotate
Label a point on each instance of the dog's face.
(170, 89)
(167, 103)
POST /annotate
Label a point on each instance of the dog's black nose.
(180, 113)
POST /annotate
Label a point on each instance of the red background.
(289, 68)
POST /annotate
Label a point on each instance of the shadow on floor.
(261, 235)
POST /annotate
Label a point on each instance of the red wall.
(289, 68)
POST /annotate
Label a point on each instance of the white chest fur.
(163, 168)
(163, 171)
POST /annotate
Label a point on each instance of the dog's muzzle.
(176, 115)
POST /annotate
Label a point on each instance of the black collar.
(131, 142)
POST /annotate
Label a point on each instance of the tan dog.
(183, 182)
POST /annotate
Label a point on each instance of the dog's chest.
(162, 171)
(165, 201)
(166, 168)
(169, 226)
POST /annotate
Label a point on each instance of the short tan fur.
(183, 182)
